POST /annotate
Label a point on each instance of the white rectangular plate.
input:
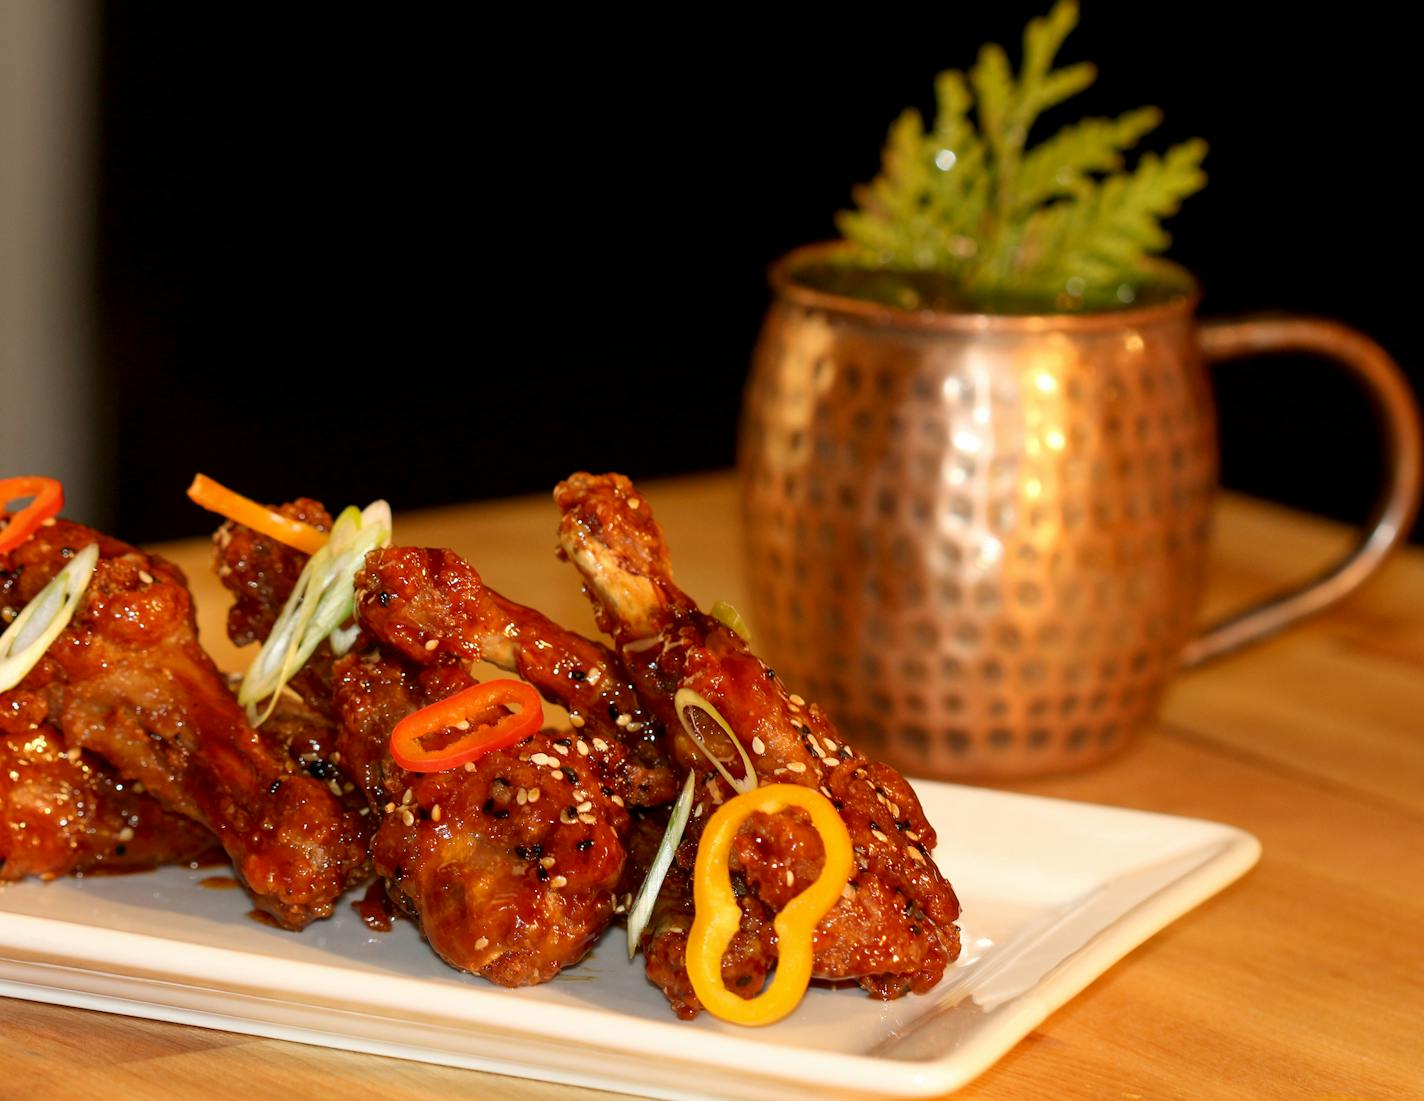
(1053, 893)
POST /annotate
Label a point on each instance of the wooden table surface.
(1303, 980)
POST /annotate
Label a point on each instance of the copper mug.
(980, 540)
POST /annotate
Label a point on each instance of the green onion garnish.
(26, 640)
(686, 700)
(648, 892)
(324, 598)
(729, 617)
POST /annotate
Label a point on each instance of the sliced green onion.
(35, 629)
(648, 892)
(685, 701)
(323, 599)
(729, 617)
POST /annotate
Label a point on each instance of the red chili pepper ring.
(476, 721)
(47, 498)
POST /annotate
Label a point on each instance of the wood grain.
(1303, 980)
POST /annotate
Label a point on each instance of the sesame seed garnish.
(634, 503)
(847, 891)
(482, 943)
(600, 745)
(879, 836)
(433, 644)
(334, 787)
(697, 811)
(796, 701)
(546, 861)
(541, 759)
(469, 766)
(894, 807)
(521, 796)
(915, 855)
(623, 720)
(390, 807)
(73, 755)
(796, 766)
(435, 813)
(463, 724)
(582, 747)
(825, 791)
(633, 728)
(364, 811)
(126, 834)
(533, 795)
(407, 797)
(778, 771)
(912, 835)
(790, 877)
(557, 882)
(758, 746)
(561, 750)
(576, 721)
(594, 676)
(407, 818)
(145, 577)
(617, 800)
(588, 819)
(585, 807)
(831, 762)
(829, 744)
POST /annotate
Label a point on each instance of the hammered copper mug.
(979, 540)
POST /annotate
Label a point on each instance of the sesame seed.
(623, 720)
(588, 819)
(540, 759)
(145, 577)
(879, 836)
(582, 747)
(796, 701)
(594, 676)
(469, 766)
(334, 787)
(557, 882)
(830, 745)
(534, 795)
(825, 791)
(633, 728)
(697, 811)
(126, 834)
(576, 721)
(599, 744)
(521, 796)
(894, 807)
(618, 800)
(433, 644)
(831, 762)
(364, 811)
(482, 943)
(390, 807)
(408, 796)
(407, 818)
(847, 891)
(758, 746)
(916, 855)
(463, 724)
(912, 835)
(585, 807)
(790, 877)
(546, 861)
(73, 755)
(561, 750)
(796, 766)
(635, 504)
(435, 813)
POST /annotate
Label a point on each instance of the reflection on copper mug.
(979, 540)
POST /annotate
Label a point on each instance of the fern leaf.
(1063, 164)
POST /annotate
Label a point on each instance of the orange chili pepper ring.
(718, 916)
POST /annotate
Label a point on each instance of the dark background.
(430, 259)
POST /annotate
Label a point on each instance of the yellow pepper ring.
(718, 916)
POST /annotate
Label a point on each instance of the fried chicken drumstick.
(510, 866)
(127, 682)
(893, 930)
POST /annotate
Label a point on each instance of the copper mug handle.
(1398, 416)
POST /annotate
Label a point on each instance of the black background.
(434, 258)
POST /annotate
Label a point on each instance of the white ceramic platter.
(1053, 894)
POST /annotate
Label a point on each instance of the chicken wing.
(893, 931)
(128, 681)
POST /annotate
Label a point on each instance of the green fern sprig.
(1061, 224)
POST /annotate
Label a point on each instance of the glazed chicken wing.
(64, 811)
(893, 931)
(127, 681)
